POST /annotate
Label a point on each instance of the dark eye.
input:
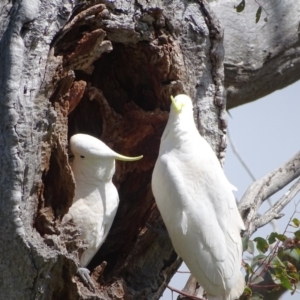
(81, 156)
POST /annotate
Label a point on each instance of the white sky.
(266, 134)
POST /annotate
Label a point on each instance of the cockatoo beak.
(177, 105)
(127, 158)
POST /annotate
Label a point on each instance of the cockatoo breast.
(92, 169)
(94, 214)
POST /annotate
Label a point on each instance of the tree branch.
(260, 57)
(186, 295)
(192, 288)
(262, 189)
(274, 212)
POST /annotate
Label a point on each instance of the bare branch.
(274, 212)
(262, 189)
(248, 77)
(192, 288)
(186, 295)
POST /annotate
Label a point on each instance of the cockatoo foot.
(84, 274)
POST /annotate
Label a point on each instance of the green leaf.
(297, 234)
(245, 243)
(257, 279)
(248, 269)
(284, 280)
(276, 262)
(278, 272)
(241, 6)
(272, 237)
(280, 252)
(247, 291)
(296, 222)
(281, 237)
(258, 14)
(257, 259)
(275, 279)
(294, 253)
(294, 276)
(250, 248)
(261, 244)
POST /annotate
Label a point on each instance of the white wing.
(200, 214)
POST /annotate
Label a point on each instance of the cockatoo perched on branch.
(197, 205)
(96, 198)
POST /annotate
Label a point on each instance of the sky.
(266, 135)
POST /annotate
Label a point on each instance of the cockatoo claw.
(84, 274)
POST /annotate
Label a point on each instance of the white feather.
(197, 205)
(96, 198)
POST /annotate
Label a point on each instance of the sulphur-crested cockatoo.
(96, 198)
(197, 205)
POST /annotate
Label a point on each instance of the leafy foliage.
(278, 259)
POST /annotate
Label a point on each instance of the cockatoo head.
(94, 158)
(181, 117)
(181, 104)
(180, 122)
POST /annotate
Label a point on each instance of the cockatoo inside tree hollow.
(197, 205)
(96, 198)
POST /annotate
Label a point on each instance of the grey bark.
(27, 121)
(260, 58)
(107, 69)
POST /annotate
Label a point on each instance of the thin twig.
(184, 294)
(184, 272)
(261, 7)
(239, 157)
(274, 212)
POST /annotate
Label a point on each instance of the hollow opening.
(125, 104)
(122, 98)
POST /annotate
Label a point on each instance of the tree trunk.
(107, 69)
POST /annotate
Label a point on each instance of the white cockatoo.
(96, 198)
(197, 205)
